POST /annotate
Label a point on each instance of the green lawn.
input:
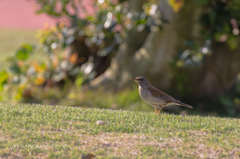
(41, 131)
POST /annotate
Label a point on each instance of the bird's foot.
(159, 111)
(156, 111)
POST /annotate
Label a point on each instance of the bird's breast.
(149, 99)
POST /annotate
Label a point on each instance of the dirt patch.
(135, 144)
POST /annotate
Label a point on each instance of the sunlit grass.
(124, 99)
(12, 39)
(73, 132)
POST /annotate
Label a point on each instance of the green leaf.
(79, 80)
(24, 51)
(90, 18)
(15, 69)
(19, 94)
(232, 42)
(3, 76)
(141, 21)
(119, 18)
(22, 54)
(1, 87)
(3, 79)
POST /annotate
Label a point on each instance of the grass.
(42, 131)
(12, 40)
(127, 99)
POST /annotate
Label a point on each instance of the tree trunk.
(153, 59)
(219, 72)
(149, 54)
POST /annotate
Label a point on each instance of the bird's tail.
(185, 105)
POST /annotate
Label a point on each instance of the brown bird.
(155, 97)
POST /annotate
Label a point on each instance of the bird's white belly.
(149, 99)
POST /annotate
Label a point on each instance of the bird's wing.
(168, 98)
(157, 93)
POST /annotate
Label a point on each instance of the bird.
(154, 97)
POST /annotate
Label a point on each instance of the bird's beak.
(133, 79)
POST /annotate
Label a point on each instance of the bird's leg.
(159, 111)
(156, 111)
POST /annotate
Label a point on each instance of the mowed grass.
(42, 131)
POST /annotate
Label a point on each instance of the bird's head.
(141, 81)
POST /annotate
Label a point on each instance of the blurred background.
(83, 53)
